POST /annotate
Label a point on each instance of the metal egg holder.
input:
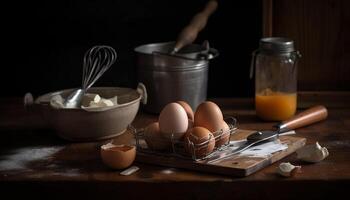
(178, 146)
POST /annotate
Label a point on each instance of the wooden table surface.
(35, 162)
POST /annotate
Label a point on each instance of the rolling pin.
(198, 22)
(307, 117)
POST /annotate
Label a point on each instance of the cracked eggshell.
(287, 169)
(312, 153)
(118, 156)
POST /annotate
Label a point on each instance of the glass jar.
(275, 64)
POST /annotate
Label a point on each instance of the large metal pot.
(173, 77)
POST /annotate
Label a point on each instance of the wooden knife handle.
(198, 22)
(307, 117)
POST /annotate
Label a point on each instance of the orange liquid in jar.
(275, 106)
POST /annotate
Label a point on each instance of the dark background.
(45, 41)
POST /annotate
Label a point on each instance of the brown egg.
(155, 139)
(223, 137)
(202, 140)
(118, 156)
(187, 108)
(208, 115)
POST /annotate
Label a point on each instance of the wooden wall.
(321, 31)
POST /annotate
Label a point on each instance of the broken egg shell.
(312, 153)
(118, 156)
(288, 170)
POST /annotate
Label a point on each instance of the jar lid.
(276, 45)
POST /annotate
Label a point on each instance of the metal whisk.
(97, 61)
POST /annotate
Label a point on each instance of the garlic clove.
(287, 169)
(312, 153)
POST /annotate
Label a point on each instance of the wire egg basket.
(183, 147)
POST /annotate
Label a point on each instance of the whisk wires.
(97, 60)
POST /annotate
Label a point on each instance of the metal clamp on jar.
(275, 64)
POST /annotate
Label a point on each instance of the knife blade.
(307, 117)
(252, 140)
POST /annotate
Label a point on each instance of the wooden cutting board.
(236, 165)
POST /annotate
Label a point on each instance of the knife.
(307, 117)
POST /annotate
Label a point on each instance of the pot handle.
(208, 53)
(212, 53)
(141, 89)
(29, 103)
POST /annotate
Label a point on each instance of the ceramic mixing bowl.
(77, 124)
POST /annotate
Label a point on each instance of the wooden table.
(35, 162)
